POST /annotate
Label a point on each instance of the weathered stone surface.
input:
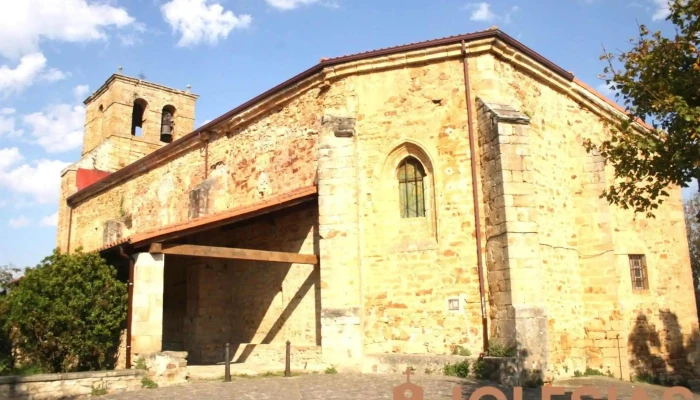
(555, 253)
(69, 386)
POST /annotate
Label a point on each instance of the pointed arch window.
(411, 176)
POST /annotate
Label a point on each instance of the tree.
(66, 314)
(659, 80)
(7, 275)
(692, 208)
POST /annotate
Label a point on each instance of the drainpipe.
(130, 301)
(475, 195)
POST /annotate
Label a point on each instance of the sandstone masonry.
(558, 279)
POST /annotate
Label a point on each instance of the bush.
(459, 350)
(331, 371)
(148, 383)
(66, 314)
(460, 369)
(498, 350)
(481, 370)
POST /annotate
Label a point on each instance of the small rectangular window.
(638, 272)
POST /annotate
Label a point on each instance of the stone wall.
(208, 302)
(410, 268)
(584, 244)
(69, 386)
(270, 155)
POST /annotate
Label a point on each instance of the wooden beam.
(232, 253)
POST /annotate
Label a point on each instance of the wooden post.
(287, 363)
(227, 374)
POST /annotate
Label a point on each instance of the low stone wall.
(69, 386)
(506, 371)
(166, 368)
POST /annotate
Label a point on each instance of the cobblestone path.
(366, 387)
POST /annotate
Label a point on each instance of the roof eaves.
(145, 162)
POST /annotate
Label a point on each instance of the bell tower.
(125, 119)
(126, 109)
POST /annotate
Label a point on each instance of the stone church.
(378, 209)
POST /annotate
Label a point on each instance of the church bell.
(166, 129)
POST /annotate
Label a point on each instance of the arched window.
(137, 116)
(411, 188)
(167, 120)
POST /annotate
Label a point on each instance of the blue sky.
(54, 53)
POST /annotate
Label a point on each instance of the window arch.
(167, 123)
(411, 175)
(137, 117)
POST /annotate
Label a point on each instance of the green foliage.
(331, 370)
(482, 370)
(148, 383)
(692, 225)
(99, 390)
(460, 369)
(67, 313)
(459, 350)
(7, 274)
(496, 349)
(141, 363)
(588, 372)
(659, 80)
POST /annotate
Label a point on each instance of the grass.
(589, 372)
(460, 369)
(148, 384)
(331, 371)
(99, 390)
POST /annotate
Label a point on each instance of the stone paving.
(369, 386)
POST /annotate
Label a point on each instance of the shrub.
(481, 370)
(496, 349)
(331, 371)
(459, 350)
(460, 369)
(148, 383)
(66, 314)
(141, 364)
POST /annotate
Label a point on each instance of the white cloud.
(7, 124)
(662, 10)
(26, 23)
(289, 4)
(59, 127)
(80, 92)
(40, 179)
(53, 75)
(9, 157)
(198, 21)
(18, 222)
(50, 220)
(29, 70)
(482, 12)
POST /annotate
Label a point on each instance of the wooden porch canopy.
(154, 239)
